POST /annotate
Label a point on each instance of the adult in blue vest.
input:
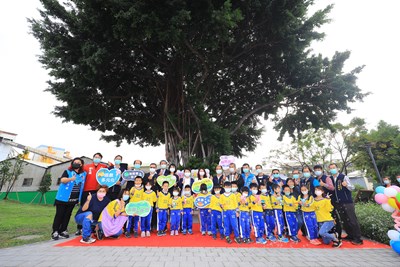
(325, 181)
(343, 203)
(247, 176)
(68, 195)
(276, 179)
(308, 181)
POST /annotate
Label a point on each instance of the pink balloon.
(396, 187)
(381, 198)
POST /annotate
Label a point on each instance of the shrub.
(374, 221)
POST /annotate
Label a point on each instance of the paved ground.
(45, 254)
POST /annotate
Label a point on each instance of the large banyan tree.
(198, 76)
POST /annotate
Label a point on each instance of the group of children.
(271, 214)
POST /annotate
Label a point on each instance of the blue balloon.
(395, 246)
(379, 189)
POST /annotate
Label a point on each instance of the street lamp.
(368, 147)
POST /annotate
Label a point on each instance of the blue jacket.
(64, 191)
(247, 180)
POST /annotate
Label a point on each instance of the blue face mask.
(96, 160)
(137, 166)
(318, 173)
(333, 171)
(287, 194)
(246, 170)
(398, 180)
(386, 181)
(276, 175)
(258, 171)
(306, 174)
(117, 162)
(125, 197)
(295, 176)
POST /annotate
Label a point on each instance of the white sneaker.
(88, 240)
(55, 236)
(143, 234)
(172, 232)
(176, 232)
(148, 233)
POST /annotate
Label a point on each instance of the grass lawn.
(19, 219)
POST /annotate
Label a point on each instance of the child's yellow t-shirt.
(188, 202)
(238, 196)
(323, 209)
(266, 200)
(276, 204)
(175, 203)
(246, 205)
(307, 205)
(150, 197)
(290, 203)
(136, 195)
(256, 205)
(229, 202)
(163, 200)
(112, 208)
(215, 203)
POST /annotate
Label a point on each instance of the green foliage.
(197, 76)
(5, 172)
(374, 221)
(44, 186)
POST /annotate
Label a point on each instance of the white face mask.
(318, 193)
(234, 189)
(219, 171)
(254, 192)
(245, 194)
(152, 170)
(232, 170)
(172, 169)
(187, 174)
(264, 191)
(228, 190)
(175, 193)
(201, 173)
(148, 187)
(304, 192)
(217, 192)
(163, 166)
(187, 193)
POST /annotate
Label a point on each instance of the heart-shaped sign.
(141, 208)
(130, 175)
(196, 185)
(202, 202)
(224, 161)
(108, 177)
(171, 179)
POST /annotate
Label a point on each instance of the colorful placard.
(171, 179)
(224, 161)
(202, 202)
(108, 177)
(196, 185)
(130, 175)
(141, 208)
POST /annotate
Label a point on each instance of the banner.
(196, 185)
(141, 208)
(130, 175)
(171, 179)
(108, 177)
(202, 202)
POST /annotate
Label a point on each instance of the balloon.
(387, 207)
(396, 187)
(398, 197)
(379, 190)
(392, 203)
(381, 198)
(395, 246)
(390, 192)
(394, 235)
(397, 203)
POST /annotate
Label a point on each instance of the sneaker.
(209, 233)
(135, 235)
(148, 233)
(357, 242)
(99, 234)
(88, 240)
(127, 235)
(214, 236)
(78, 232)
(64, 234)
(222, 237)
(295, 239)
(55, 236)
(261, 241)
(172, 232)
(184, 232)
(159, 233)
(283, 239)
(164, 233)
(203, 233)
(190, 232)
(176, 232)
(237, 240)
(337, 244)
(272, 238)
(315, 242)
(249, 240)
(143, 234)
(244, 240)
(228, 240)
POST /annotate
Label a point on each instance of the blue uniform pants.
(205, 220)
(216, 221)
(187, 220)
(162, 218)
(310, 221)
(175, 219)
(291, 222)
(145, 222)
(280, 223)
(230, 223)
(258, 223)
(269, 219)
(245, 226)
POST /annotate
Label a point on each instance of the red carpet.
(197, 240)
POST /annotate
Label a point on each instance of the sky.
(366, 28)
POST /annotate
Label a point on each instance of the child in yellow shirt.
(257, 214)
(244, 215)
(162, 208)
(230, 209)
(216, 213)
(136, 194)
(310, 220)
(188, 206)
(150, 196)
(175, 206)
(290, 205)
(277, 203)
(268, 213)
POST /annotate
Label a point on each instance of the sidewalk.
(45, 254)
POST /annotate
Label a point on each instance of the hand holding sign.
(141, 208)
(107, 177)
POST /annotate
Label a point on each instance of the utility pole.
(368, 147)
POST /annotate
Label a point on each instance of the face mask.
(258, 171)
(386, 181)
(187, 193)
(217, 192)
(246, 170)
(228, 190)
(163, 166)
(101, 195)
(175, 193)
(245, 194)
(172, 169)
(138, 186)
(117, 162)
(287, 193)
(291, 186)
(234, 189)
(318, 193)
(125, 197)
(75, 166)
(137, 166)
(232, 170)
(306, 174)
(152, 170)
(295, 176)
(96, 160)
(263, 190)
(276, 175)
(254, 192)
(219, 171)
(318, 173)
(304, 192)
(148, 187)
(333, 171)
(398, 180)
(187, 174)
(201, 173)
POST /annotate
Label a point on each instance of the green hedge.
(374, 221)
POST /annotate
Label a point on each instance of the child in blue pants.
(277, 203)
(290, 206)
(162, 209)
(188, 205)
(257, 214)
(175, 206)
(310, 219)
(205, 216)
(150, 196)
(244, 216)
(230, 210)
(269, 219)
(216, 213)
